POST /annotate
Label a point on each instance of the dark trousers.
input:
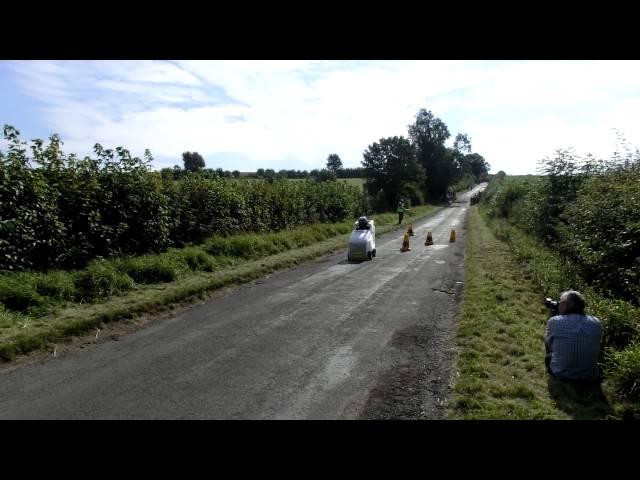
(400, 215)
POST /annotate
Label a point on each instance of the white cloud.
(145, 71)
(292, 114)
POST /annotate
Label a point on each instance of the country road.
(326, 340)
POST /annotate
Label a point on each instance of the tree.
(391, 166)
(428, 135)
(478, 165)
(193, 161)
(326, 175)
(462, 143)
(334, 163)
(236, 173)
(351, 173)
(270, 174)
(178, 173)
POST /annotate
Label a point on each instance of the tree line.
(420, 167)
(194, 162)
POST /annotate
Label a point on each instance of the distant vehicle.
(451, 196)
(362, 243)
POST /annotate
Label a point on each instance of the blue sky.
(247, 115)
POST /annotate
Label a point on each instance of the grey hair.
(574, 300)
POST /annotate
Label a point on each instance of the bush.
(248, 246)
(201, 207)
(588, 214)
(8, 318)
(31, 234)
(620, 319)
(245, 246)
(18, 292)
(218, 246)
(303, 238)
(603, 232)
(623, 370)
(151, 268)
(507, 196)
(476, 198)
(195, 258)
(58, 285)
(134, 213)
(101, 279)
(465, 183)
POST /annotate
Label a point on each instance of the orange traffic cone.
(405, 243)
(410, 230)
(429, 240)
(452, 237)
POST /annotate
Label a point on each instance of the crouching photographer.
(572, 339)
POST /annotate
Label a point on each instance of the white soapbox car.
(362, 243)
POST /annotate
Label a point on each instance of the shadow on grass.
(580, 400)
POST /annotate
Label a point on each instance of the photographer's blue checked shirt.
(575, 342)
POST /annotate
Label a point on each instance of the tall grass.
(101, 279)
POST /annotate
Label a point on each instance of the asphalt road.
(327, 340)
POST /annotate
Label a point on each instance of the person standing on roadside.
(401, 210)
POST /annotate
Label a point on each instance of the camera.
(552, 305)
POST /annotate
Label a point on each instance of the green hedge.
(59, 211)
(590, 217)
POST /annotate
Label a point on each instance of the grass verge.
(500, 367)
